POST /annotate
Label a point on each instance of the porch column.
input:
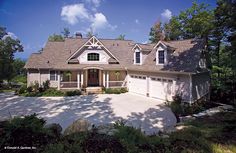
(107, 79)
(104, 79)
(82, 79)
(100, 77)
(58, 80)
(78, 79)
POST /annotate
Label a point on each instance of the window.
(161, 57)
(93, 57)
(53, 75)
(137, 57)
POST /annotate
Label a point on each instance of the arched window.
(93, 57)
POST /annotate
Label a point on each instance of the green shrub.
(98, 143)
(35, 86)
(27, 131)
(73, 93)
(22, 89)
(52, 92)
(188, 140)
(130, 137)
(115, 90)
(29, 89)
(20, 79)
(46, 85)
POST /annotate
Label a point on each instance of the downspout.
(191, 88)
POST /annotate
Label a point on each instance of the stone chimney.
(78, 35)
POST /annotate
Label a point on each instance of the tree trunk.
(218, 59)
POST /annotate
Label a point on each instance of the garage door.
(161, 88)
(138, 84)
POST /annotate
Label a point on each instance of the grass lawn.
(218, 131)
(6, 90)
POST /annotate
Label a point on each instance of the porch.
(81, 79)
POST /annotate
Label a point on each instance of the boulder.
(106, 129)
(79, 125)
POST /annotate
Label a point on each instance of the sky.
(32, 21)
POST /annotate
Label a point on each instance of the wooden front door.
(93, 77)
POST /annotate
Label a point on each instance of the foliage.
(115, 90)
(215, 133)
(66, 32)
(18, 67)
(222, 45)
(194, 22)
(22, 79)
(46, 85)
(56, 37)
(102, 143)
(121, 37)
(8, 46)
(51, 92)
(156, 33)
(27, 131)
(22, 89)
(73, 93)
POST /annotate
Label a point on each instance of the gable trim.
(85, 45)
(136, 45)
(160, 42)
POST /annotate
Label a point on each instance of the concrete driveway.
(141, 112)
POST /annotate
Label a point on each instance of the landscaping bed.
(38, 91)
(211, 134)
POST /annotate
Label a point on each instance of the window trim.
(157, 55)
(93, 54)
(137, 51)
(159, 51)
(55, 75)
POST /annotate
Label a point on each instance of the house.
(159, 70)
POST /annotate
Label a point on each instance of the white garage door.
(138, 84)
(161, 88)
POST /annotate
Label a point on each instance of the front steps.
(93, 90)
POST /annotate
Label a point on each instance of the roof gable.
(92, 43)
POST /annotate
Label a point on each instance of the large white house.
(159, 70)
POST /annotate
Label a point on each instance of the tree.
(223, 41)
(8, 46)
(18, 67)
(56, 37)
(173, 29)
(156, 33)
(66, 32)
(195, 22)
(121, 37)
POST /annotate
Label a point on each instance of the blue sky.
(33, 21)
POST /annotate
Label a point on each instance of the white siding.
(200, 85)
(181, 85)
(103, 57)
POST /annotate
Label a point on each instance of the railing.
(116, 84)
(72, 84)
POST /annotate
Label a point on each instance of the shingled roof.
(183, 55)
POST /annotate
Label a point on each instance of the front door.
(93, 77)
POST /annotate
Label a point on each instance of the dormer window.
(137, 57)
(93, 57)
(161, 57)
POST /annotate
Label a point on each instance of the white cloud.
(96, 3)
(78, 12)
(136, 21)
(100, 22)
(71, 13)
(166, 15)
